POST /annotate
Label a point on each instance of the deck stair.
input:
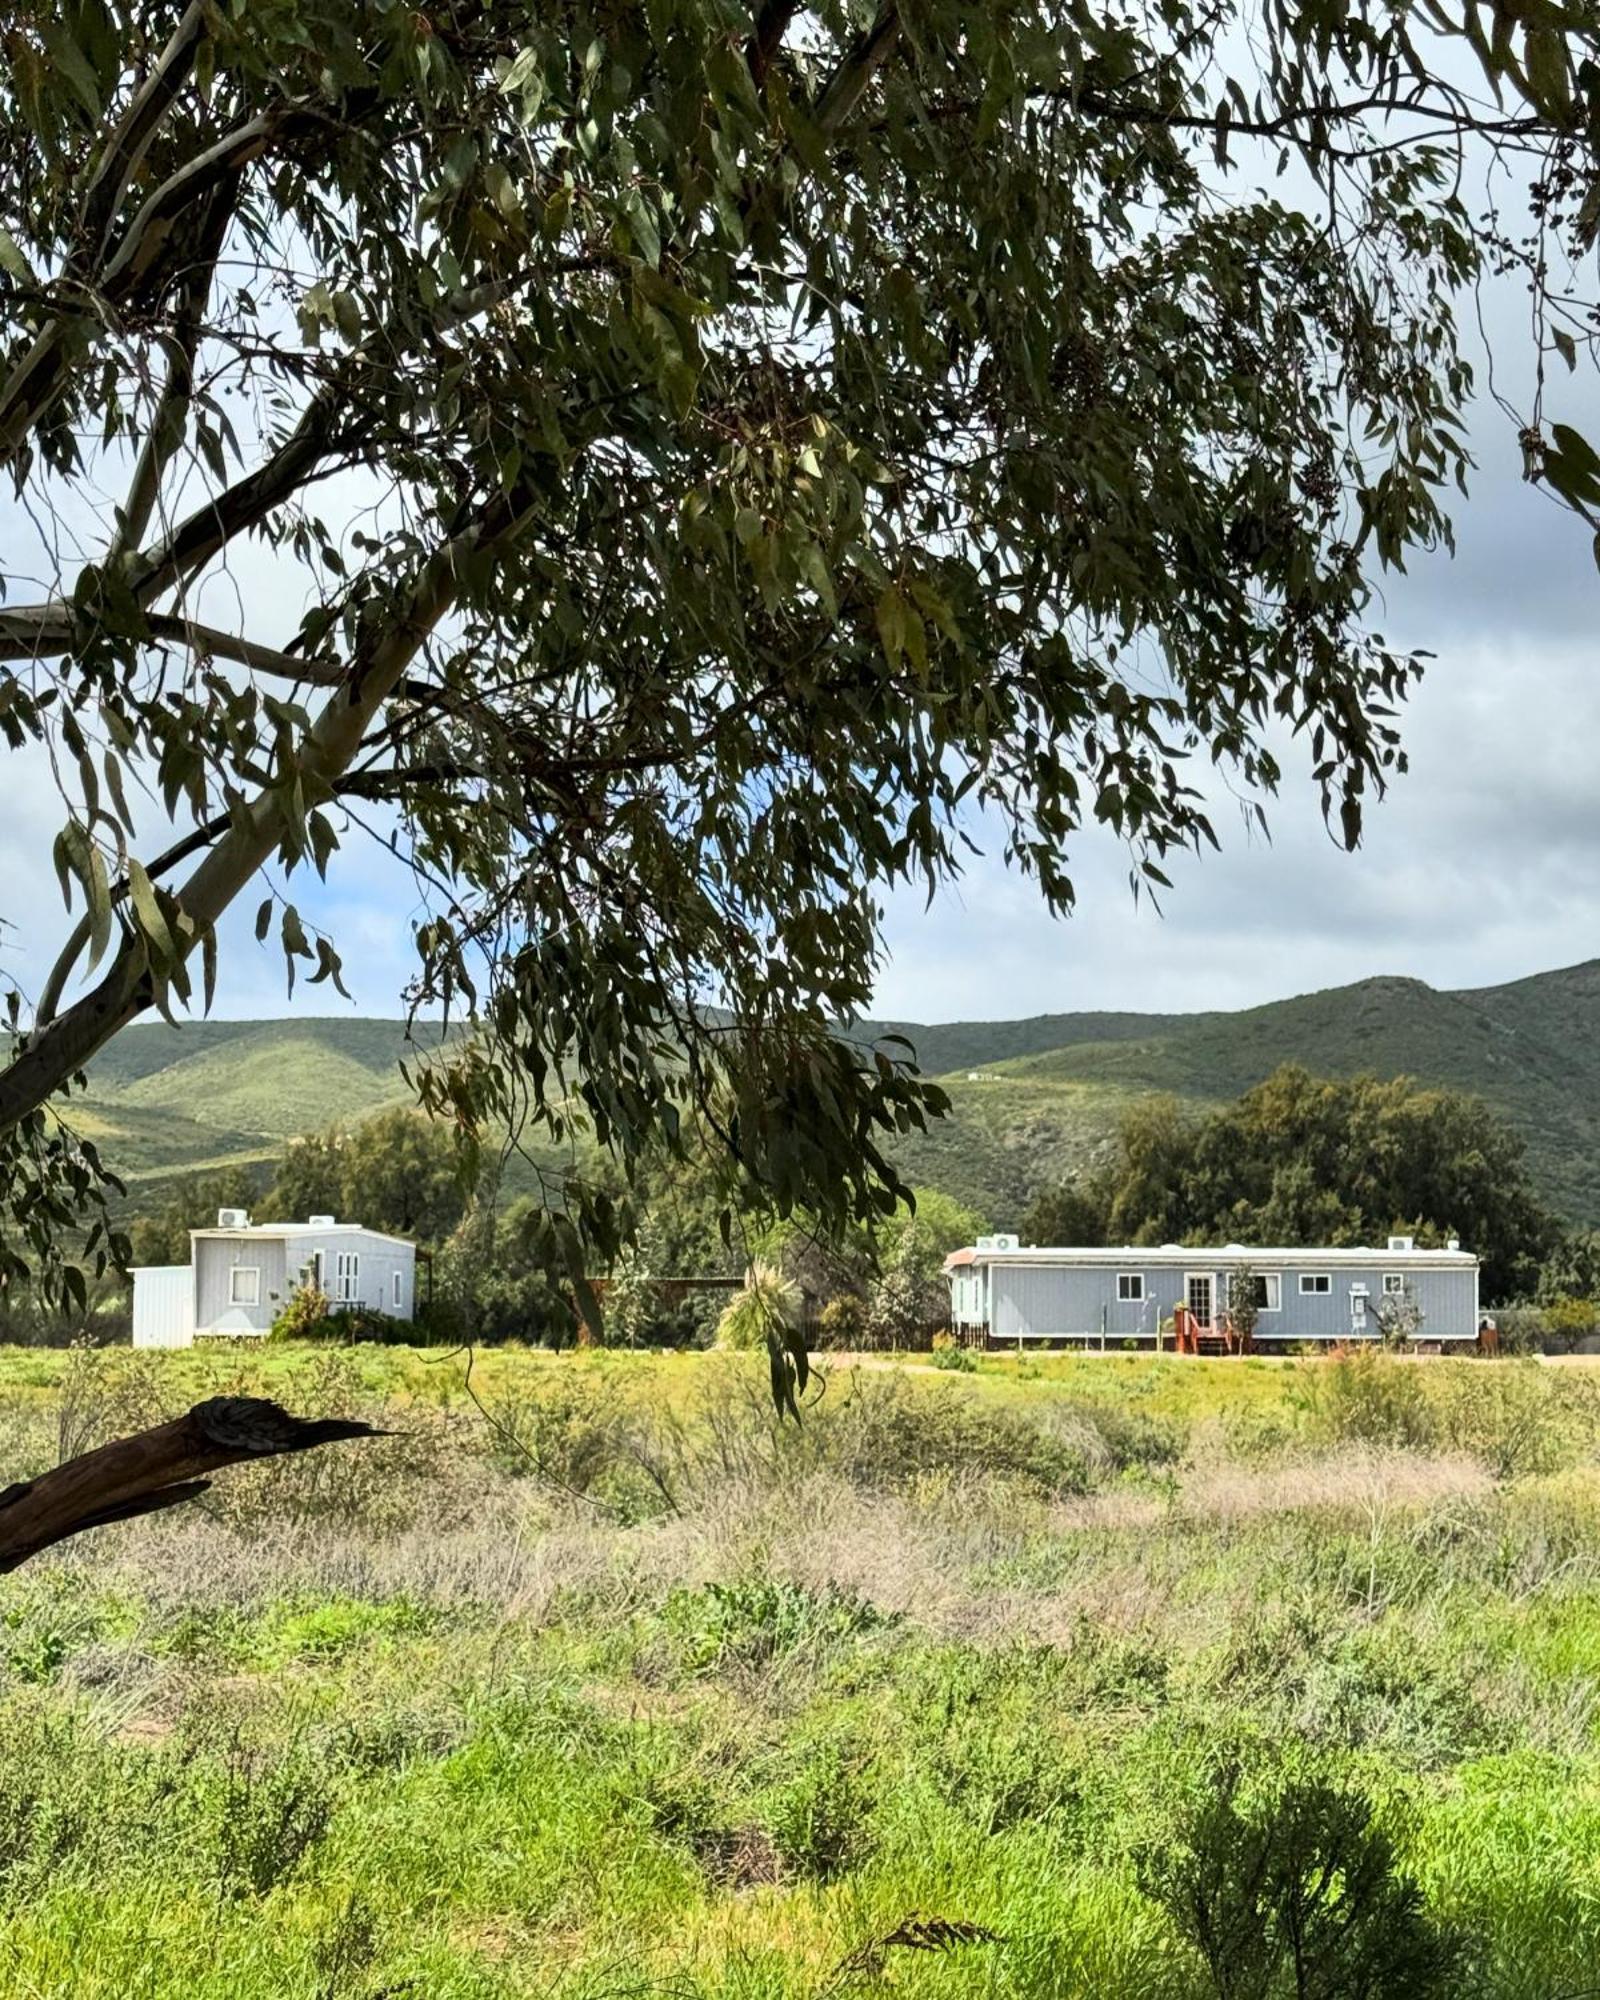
(1218, 1335)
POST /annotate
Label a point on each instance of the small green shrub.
(1516, 1417)
(754, 1622)
(1300, 1894)
(1365, 1397)
(820, 1820)
(307, 1314)
(955, 1360)
(841, 1324)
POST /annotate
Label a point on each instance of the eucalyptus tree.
(667, 467)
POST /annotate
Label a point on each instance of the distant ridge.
(1046, 1098)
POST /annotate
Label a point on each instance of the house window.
(318, 1274)
(399, 1290)
(244, 1285)
(1394, 1284)
(1315, 1283)
(1269, 1291)
(1130, 1286)
(347, 1271)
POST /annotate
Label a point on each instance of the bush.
(841, 1324)
(1516, 1418)
(1364, 1397)
(957, 1360)
(304, 1315)
(762, 1619)
(1302, 1896)
(769, 1303)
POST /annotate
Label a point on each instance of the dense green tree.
(1304, 1159)
(1572, 1269)
(397, 1170)
(1071, 1213)
(918, 1240)
(692, 453)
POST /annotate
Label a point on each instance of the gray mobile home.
(240, 1276)
(1003, 1293)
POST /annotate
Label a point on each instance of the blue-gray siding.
(1063, 1301)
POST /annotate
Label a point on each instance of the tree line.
(1303, 1159)
(1299, 1159)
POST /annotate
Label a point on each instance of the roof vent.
(320, 1222)
(1453, 1243)
(233, 1218)
(1402, 1243)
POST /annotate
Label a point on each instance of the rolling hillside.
(1033, 1098)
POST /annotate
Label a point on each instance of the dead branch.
(154, 1469)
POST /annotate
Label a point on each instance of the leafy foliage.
(1303, 1159)
(1299, 1894)
(764, 438)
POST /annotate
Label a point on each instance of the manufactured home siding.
(1059, 1300)
(381, 1257)
(163, 1305)
(1055, 1301)
(215, 1257)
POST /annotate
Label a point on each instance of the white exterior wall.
(172, 1302)
(379, 1260)
(163, 1305)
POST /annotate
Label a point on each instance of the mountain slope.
(1531, 1049)
(1034, 1100)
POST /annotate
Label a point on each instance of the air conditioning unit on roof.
(999, 1243)
(233, 1218)
(320, 1222)
(1402, 1243)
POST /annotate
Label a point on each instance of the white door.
(1197, 1292)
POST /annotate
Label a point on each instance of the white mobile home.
(1179, 1295)
(241, 1274)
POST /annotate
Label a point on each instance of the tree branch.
(170, 419)
(860, 63)
(154, 1469)
(59, 1050)
(129, 143)
(772, 24)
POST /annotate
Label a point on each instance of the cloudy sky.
(1483, 864)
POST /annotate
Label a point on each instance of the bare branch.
(140, 123)
(860, 63)
(772, 24)
(154, 1469)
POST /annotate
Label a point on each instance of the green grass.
(628, 1692)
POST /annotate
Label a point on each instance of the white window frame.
(253, 1273)
(397, 1289)
(347, 1277)
(1394, 1284)
(1125, 1280)
(1273, 1281)
(1316, 1284)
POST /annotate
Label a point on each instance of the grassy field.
(596, 1684)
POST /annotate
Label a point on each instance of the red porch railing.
(1218, 1335)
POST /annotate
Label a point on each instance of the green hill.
(1033, 1099)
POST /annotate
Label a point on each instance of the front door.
(1198, 1295)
